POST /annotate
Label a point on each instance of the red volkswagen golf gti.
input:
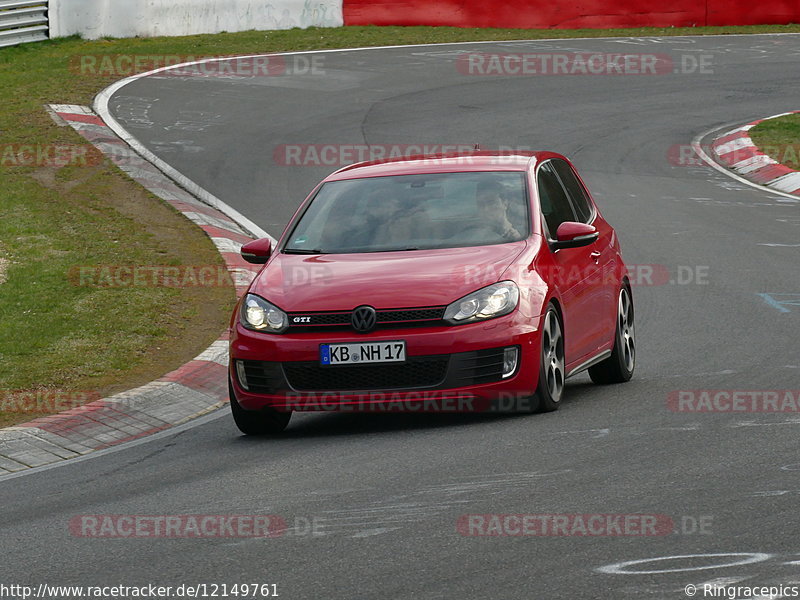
(475, 282)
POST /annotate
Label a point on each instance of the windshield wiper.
(301, 251)
(409, 249)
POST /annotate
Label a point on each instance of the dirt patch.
(184, 241)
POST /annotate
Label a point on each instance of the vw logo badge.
(364, 319)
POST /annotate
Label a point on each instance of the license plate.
(362, 353)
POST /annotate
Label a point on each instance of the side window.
(556, 207)
(578, 195)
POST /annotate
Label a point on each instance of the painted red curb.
(82, 118)
(737, 151)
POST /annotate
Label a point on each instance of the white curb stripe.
(227, 245)
(203, 219)
(753, 163)
(734, 145)
(216, 352)
(786, 183)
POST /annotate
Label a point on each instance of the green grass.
(54, 335)
(780, 139)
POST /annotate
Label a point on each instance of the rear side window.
(556, 207)
(578, 195)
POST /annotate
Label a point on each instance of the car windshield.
(413, 212)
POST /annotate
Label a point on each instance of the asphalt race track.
(385, 492)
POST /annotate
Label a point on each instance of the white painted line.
(598, 433)
(757, 424)
(374, 532)
(742, 129)
(622, 568)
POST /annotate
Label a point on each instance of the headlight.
(260, 315)
(492, 301)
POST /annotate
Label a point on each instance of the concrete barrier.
(94, 19)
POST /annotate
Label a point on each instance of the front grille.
(417, 372)
(418, 314)
(340, 321)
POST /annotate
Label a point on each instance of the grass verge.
(55, 336)
(780, 139)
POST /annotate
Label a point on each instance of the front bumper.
(448, 369)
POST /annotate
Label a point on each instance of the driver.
(493, 209)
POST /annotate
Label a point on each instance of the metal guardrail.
(23, 21)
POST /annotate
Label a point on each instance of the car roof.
(479, 160)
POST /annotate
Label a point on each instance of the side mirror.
(574, 235)
(257, 252)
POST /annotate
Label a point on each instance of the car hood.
(331, 282)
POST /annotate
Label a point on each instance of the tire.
(551, 363)
(257, 422)
(619, 367)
